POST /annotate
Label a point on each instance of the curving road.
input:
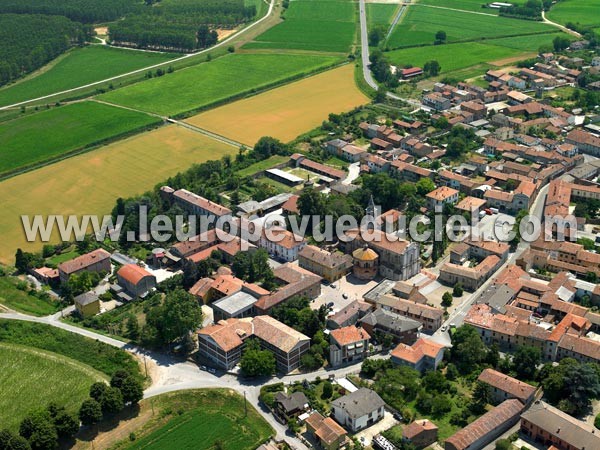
(155, 66)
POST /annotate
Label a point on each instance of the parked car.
(330, 305)
(203, 368)
(211, 370)
(345, 296)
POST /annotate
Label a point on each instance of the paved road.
(458, 315)
(155, 66)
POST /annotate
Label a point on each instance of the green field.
(101, 357)
(584, 12)
(77, 68)
(420, 24)
(49, 134)
(380, 13)
(262, 165)
(211, 418)
(466, 5)
(31, 378)
(23, 301)
(309, 25)
(215, 81)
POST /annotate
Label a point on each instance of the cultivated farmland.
(380, 13)
(89, 183)
(420, 24)
(215, 81)
(285, 112)
(49, 134)
(33, 378)
(323, 26)
(212, 416)
(584, 12)
(466, 5)
(77, 68)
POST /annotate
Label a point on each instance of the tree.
(97, 390)
(503, 444)
(440, 36)
(268, 146)
(432, 68)
(376, 35)
(482, 395)
(133, 328)
(39, 431)
(11, 441)
(131, 387)
(424, 186)
(571, 385)
(525, 361)
(206, 37)
(327, 390)
(597, 421)
(447, 299)
(90, 412)
(66, 424)
(468, 350)
(256, 362)
(457, 290)
(560, 43)
(111, 401)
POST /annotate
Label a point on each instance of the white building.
(358, 410)
(281, 243)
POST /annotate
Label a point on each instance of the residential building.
(329, 434)
(553, 428)
(442, 196)
(584, 141)
(421, 433)
(423, 355)
(388, 323)
(358, 410)
(87, 304)
(329, 265)
(238, 305)
(97, 261)
(287, 344)
(428, 316)
(289, 406)
(222, 342)
(504, 387)
(281, 243)
(135, 281)
(488, 427)
(198, 205)
(471, 278)
(348, 345)
(348, 315)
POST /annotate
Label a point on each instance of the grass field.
(48, 134)
(584, 12)
(122, 169)
(95, 354)
(380, 13)
(466, 5)
(207, 83)
(211, 418)
(287, 111)
(262, 165)
(420, 25)
(453, 57)
(22, 301)
(78, 67)
(33, 378)
(310, 25)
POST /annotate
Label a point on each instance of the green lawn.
(31, 378)
(466, 5)
(457, 57)
(23, 301)
(209, 419)
(48, 134)
(420, 25)
(101, 357)
(584, 12)
(79, 67)
(55, 260)
(380, 13)
(218, 80)
(309, 25)
(262, 165)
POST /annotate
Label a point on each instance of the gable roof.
(515, 388)
(84, 261)
(359, 403)
(133, 273)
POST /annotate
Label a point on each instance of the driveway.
(366, 436)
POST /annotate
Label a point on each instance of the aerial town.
(459, 309)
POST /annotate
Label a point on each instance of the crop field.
(213, 418)
(584, 12)
(33, 378)
(48, 134)
(77, 68)
(466, 5)
(420, 25)
(218, 80)
(380, 13)
(327, 26)
(22, 301)
(91, 182)
(285, 112)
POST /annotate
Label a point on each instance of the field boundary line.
(155, 66)
(455, 9)
(210, 134)
(397, 19)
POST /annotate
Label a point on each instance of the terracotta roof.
(515, 388)
(349, 335)
(365, 254)
(486, 424)
(323, 257)
(193, 199)
(442, 193)
(277, 334)
(133, 273)
(84, 261)
(470, 204)
(291, 205)
(326, 429)
(228, 334)
(413, 354)
(417, 427)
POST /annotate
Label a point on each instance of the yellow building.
(87, 304)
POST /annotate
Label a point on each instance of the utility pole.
(245, 406)
(145, 366)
